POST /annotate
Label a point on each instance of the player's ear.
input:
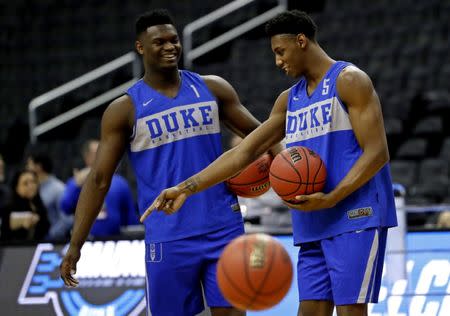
(301, 40)
(139, 47)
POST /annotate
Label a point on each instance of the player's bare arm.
(116, 128)
(260, 140)
(357, 92)
(233, 114)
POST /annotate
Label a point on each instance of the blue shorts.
(177, 271)
(345, 269)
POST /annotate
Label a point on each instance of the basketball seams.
(304, 164)
(317, 173)
(259, 288)
(266, 274)
(293, 167)
(266, 160)
(299, 184)
(249, 183)
(279, 178)
(293, 182)
(253, 180)
(231, 281)
(246, 265)
(282, 284)
(307, 168)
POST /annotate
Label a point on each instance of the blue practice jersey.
(321, 122)
(173, 139)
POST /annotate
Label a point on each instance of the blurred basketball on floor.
(254, 179)
(296, 171)
(254, 272)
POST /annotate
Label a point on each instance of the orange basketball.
(296, 171)
(254, 272)
(254, 179)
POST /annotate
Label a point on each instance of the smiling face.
(160, 47)
(290, 53)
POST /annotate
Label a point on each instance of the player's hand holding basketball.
(312, 202)
(68, 267)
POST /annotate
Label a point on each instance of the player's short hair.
(42, 159)
(292, 22)
(153, 17)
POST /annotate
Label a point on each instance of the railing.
(36, 130)
(191, 53)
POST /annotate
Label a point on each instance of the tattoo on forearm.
(190, 185)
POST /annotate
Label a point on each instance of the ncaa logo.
(111, 276)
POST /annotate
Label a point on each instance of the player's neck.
(163, 80)
(318, 64)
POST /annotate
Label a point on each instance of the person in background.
(24, 218)
(51, 190)
(443, 220)
(119, 207)
(4, 189)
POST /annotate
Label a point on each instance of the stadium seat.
(444, 153)
(432, 181)
(432, 129)
(413, 148)
(437, 102)
(394, 133)
(404, 172)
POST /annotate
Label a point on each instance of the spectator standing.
(51, 190)
(119, 208)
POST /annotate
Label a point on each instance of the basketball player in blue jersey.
(168, 122)
(335, 111)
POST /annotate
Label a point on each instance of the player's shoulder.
(352, 82)
(213, 80)
(352, 75)
(284, 95)
(120, 112)
(280, 105)
(122, 101)
(219, 86)
(121, 105)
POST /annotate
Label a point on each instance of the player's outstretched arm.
(115, 131)
(260, 140)
(357, 92)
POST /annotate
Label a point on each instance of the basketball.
(254, 272)
(254, 179)
(296, 171)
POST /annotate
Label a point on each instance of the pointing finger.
(156, 203)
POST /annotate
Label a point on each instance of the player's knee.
(352, 310)
(226, 311)
(315, 308)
